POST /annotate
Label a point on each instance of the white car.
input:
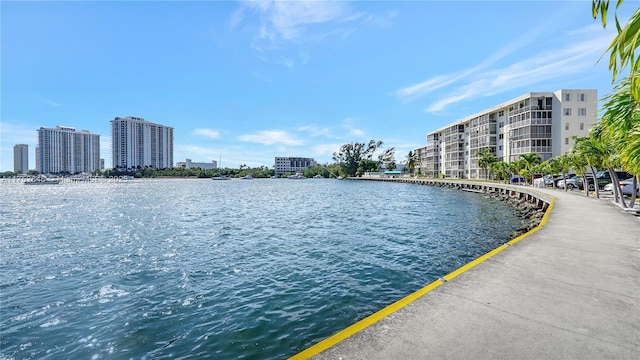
(626, 187)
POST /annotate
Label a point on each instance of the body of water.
(253, 269)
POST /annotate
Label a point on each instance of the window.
(582, 97)
(566, 126)
(501, 113)
(582, 111)
(566, 141)
(567, 111)
(567, 97)
(581, 126)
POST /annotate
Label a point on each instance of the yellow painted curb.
(379, 315)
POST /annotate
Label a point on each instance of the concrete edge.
(390, 309)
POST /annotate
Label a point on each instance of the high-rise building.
(292, 164)
(136, 142)
(540, 122)
(64, 150)
(21, 158)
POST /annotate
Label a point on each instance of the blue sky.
(246, 81)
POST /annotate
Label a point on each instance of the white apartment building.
(64, 150)
(188, 164)
(541, 122)
(292, 164)
(21, 158)
(136, 142)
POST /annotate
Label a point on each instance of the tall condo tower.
(64, 150)
(21, 158)
(136, 142)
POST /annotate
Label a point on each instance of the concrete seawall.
(570, 291)
(540, 199)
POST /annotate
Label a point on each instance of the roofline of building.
(139, 119)
(502, 106)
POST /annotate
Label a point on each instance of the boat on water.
(296, 176)
(42, 180)
(318, 176)
(222, 177)
(247, 177)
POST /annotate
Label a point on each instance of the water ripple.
(166, 269)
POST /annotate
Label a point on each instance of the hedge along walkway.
(568, 291)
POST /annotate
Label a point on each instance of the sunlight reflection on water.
(229, 269)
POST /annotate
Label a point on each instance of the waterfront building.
(292, 164)
(136, 142)
(540, 122)
(188, 164)
(21, 158)
(64, 150)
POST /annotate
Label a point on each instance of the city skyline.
(245, 82)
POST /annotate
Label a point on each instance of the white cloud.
(270, 137)
(50, 102)
(353, 131)
(316, 131)
(288, 19)
(420, 89)
(415, 91)
(213, 134)
(325, 149)
(283, 27)
(196, 153)
(18, 134)
(578, 54)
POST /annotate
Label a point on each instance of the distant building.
(21, 158)
(64, 150)
(101, 164)
(188, 164)
(540, 122)
(292, 164)
(136, 142)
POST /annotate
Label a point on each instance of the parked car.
(562, 177)
(518, 180)
(548, 180)
(569, 183)
(590, 182)
(626, 187)
(603, 178)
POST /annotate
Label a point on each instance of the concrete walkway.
(569, 291)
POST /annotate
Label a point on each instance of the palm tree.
(529, 161)
(620, 124)
(591, 149)
(486, 159)
(500, 169)
(564, 163)
(517, 167)
(623, 48)
(411, 161)
(554, 166)
(579, 164)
